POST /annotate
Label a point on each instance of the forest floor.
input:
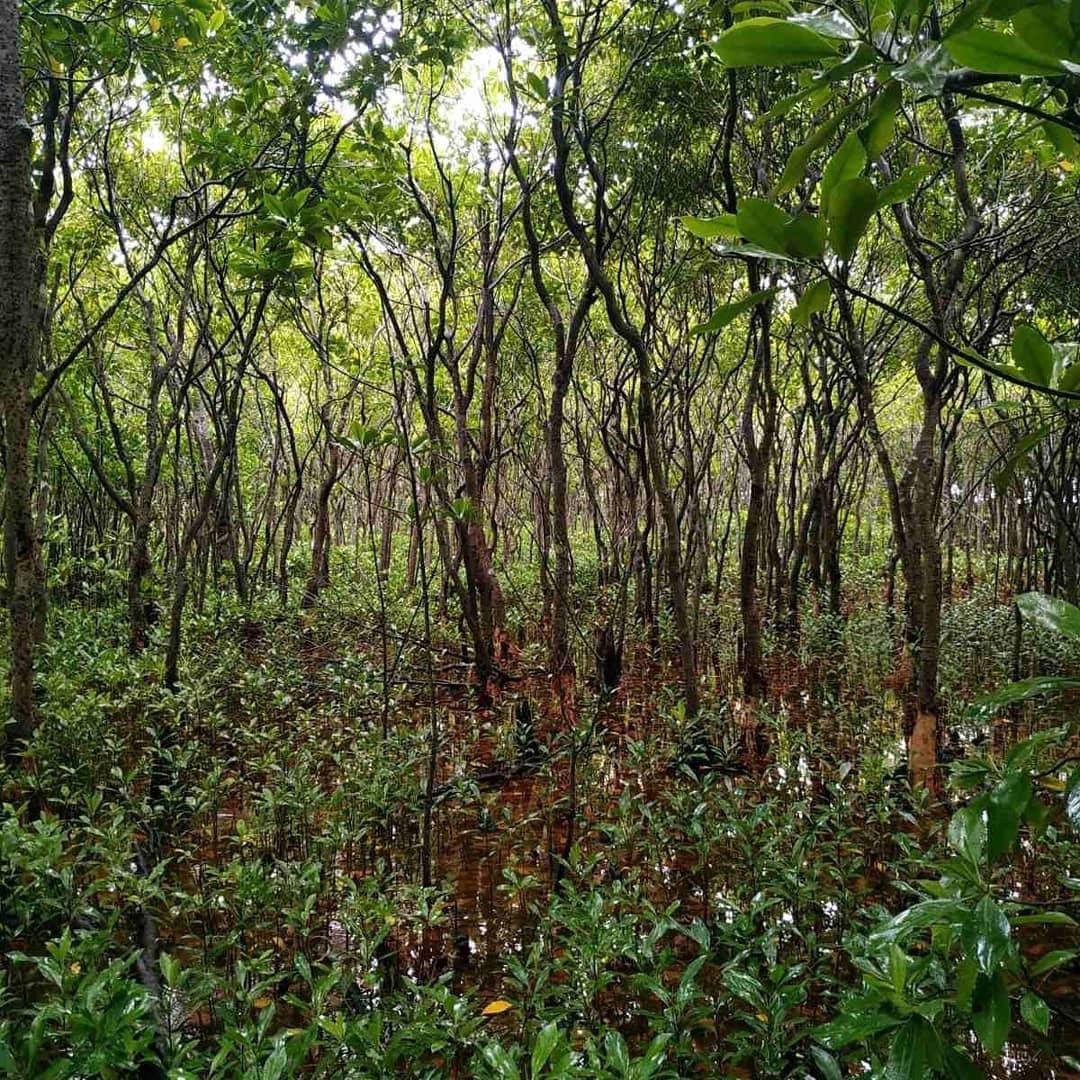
(585, 869)
(520, 807)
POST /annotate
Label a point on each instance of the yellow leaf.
(182, 42)
(1065, 164)
(497, 1006)
(261, 1002)
(762, 1017)
(75, 968)
(155, 23)
(55, 65)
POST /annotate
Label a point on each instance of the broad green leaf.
(805, 237)
(795, 168)
(500, 1061)
(813, 301)
(1044, 918)
(729, 312)
(860, 1018)
(921, 916)
(851, 206)
(710, 228)
(743, 985)
(537, 85)
(987, 935)
(762, 223)
(847, 163)
(542, 1048)
(1062, 140)
(967, 830)
(1069, 379)
(991, 1012)
(1032, 354)
(927, 71)
(617, 1052)
(996, 53)
(825, 1063)
(1035, 1012)
(1021, 690)
(1057, 615)
(1047, 29)
(958, 1066)
(1008, 800)
(768, 42)
(914, 1051)
(879, 131)
(829, 23)
(904, 186)
(1052, 960)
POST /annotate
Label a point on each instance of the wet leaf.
(991, 1012)
(1035, 1011)
(1057, 615)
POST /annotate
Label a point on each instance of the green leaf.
(860, 1019)
(1008, 799)
(1052, 960)
(1044, 918)
(1072, 799)
(1047, 29)
(825, 1063)
(1032, 354)
(851, 206)
(767, 42)
(919, 917)
(743, 985)
(1035, 1012)
(847, 163)
(795, 168)
(990, 1015)
(904, 186)
(502, 1064)
(710, 228)
(958, 1066)
(995, 53)
(617, 1052)
(927, 72)
(537, 85)
(542, 1048)
(882, 124)
(1021, 690)
(762, 223)
(1062, 140)
(987, 936)
(967, 830)
(914, 1050)
(1069, 379)
(813, 301)
(829, 23)
(805, 237)
(729, 312)
(1057, 615)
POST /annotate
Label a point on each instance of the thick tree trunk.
(20, 347)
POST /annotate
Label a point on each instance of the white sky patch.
(153, 139)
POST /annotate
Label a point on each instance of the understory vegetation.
(541, 539)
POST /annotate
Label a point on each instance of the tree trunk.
(20, 348)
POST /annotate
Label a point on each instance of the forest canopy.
(541, 538)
